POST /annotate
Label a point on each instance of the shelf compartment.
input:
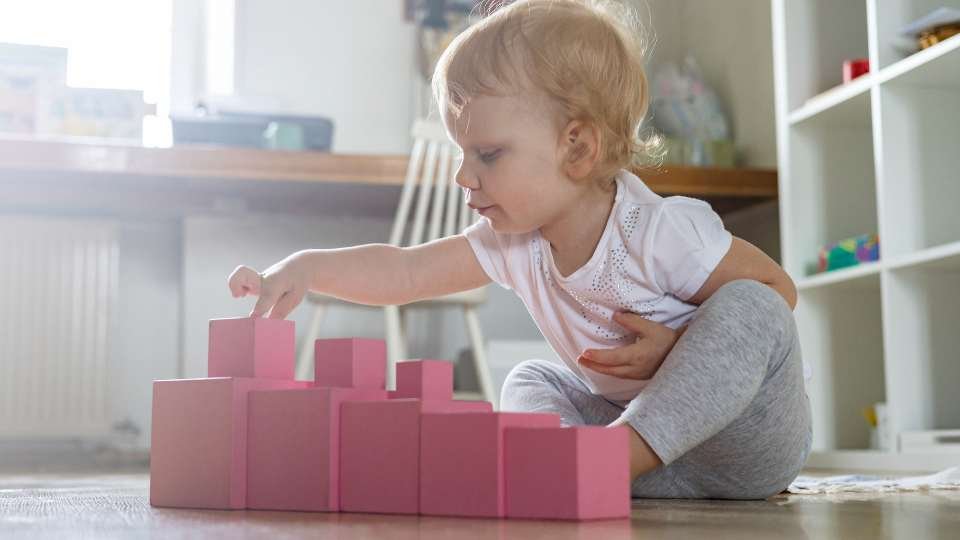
(922, 306)
(892, 15)
(841, 337)
(832, 188)
(920, 127)
(821, 34)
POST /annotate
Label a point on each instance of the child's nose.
(466, 179)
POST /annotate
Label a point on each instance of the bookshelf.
(880, 154)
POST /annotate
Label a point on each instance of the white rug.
(855, 483)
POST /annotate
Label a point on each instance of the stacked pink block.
(250, 436)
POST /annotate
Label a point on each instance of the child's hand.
(639, 360)
(280, 287)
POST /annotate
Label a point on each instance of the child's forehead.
(492, 116)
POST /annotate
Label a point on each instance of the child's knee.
(763, 305)
(530, 371)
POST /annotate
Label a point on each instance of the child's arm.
(375, 274)
(746, 261)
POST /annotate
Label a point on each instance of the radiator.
(58, 298)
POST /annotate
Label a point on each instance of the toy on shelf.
(252, 437)
(849, 252)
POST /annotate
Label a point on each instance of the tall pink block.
(461, 461)
(293, 460)
(380, 452)
(350, 363)
(199, 441)
(573, 473)
(251, 347)
(424, 379)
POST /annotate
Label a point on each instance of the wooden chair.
(429, 191)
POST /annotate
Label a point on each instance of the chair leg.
(480, 356)
(396, 348)
(305, 358)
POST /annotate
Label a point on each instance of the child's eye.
(489, 157)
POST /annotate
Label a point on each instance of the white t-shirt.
(654, 254)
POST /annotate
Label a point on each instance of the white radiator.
(58, 290)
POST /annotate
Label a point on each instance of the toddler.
(665, 322)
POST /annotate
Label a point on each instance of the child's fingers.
(268, 298)
(624, 371)
(287, 302)
(633, 322)
(612, 357)
(244, 280)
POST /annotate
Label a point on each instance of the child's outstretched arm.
(374, 274)
(745, 261)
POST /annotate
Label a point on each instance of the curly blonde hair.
(586, 55)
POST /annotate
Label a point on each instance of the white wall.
(350, 61)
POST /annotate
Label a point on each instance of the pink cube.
(461, 461)
(573, 473)
(293, 460)
(251, 347)
(198, 457)
(380, 452)
(350, 363)
(424, 379)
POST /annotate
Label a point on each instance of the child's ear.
(580, 143)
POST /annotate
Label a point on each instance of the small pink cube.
(251, 347)
(293, 455)
(350, 363)
(575, 473)
(462, 461)
(198, 456)
(424, 379)
(380, 452)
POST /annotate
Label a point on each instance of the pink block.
(251, 347)
(293, 460)
(424, 379)
(350, 363)
(461, 461)
(567, 473)
(199, 441)
(380, 452)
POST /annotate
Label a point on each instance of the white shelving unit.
(880, 154)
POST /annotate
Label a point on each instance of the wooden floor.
(116, 506)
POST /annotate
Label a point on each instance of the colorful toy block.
(380, 452)
(350, 363)
(424, 379)
(293, 453)
(461, 461)
(251, 347)
(574, 473)
(198, 457)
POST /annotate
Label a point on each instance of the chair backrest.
(430, 176)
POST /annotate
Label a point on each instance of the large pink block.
(198, 456)
(350, 363)
(380, 452)
(567, 473)
(251, 347)
(461, 461)
(293, 460)
(424, 379)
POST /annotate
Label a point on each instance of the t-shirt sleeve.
(490, 251)
(689, 240)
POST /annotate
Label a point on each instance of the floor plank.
(116, 506)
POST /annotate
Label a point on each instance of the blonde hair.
(585, 55)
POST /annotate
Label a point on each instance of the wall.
(351, 61)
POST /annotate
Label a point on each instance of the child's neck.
(575, 234)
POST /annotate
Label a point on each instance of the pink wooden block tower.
(250, 436)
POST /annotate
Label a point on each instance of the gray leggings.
(726, 413)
